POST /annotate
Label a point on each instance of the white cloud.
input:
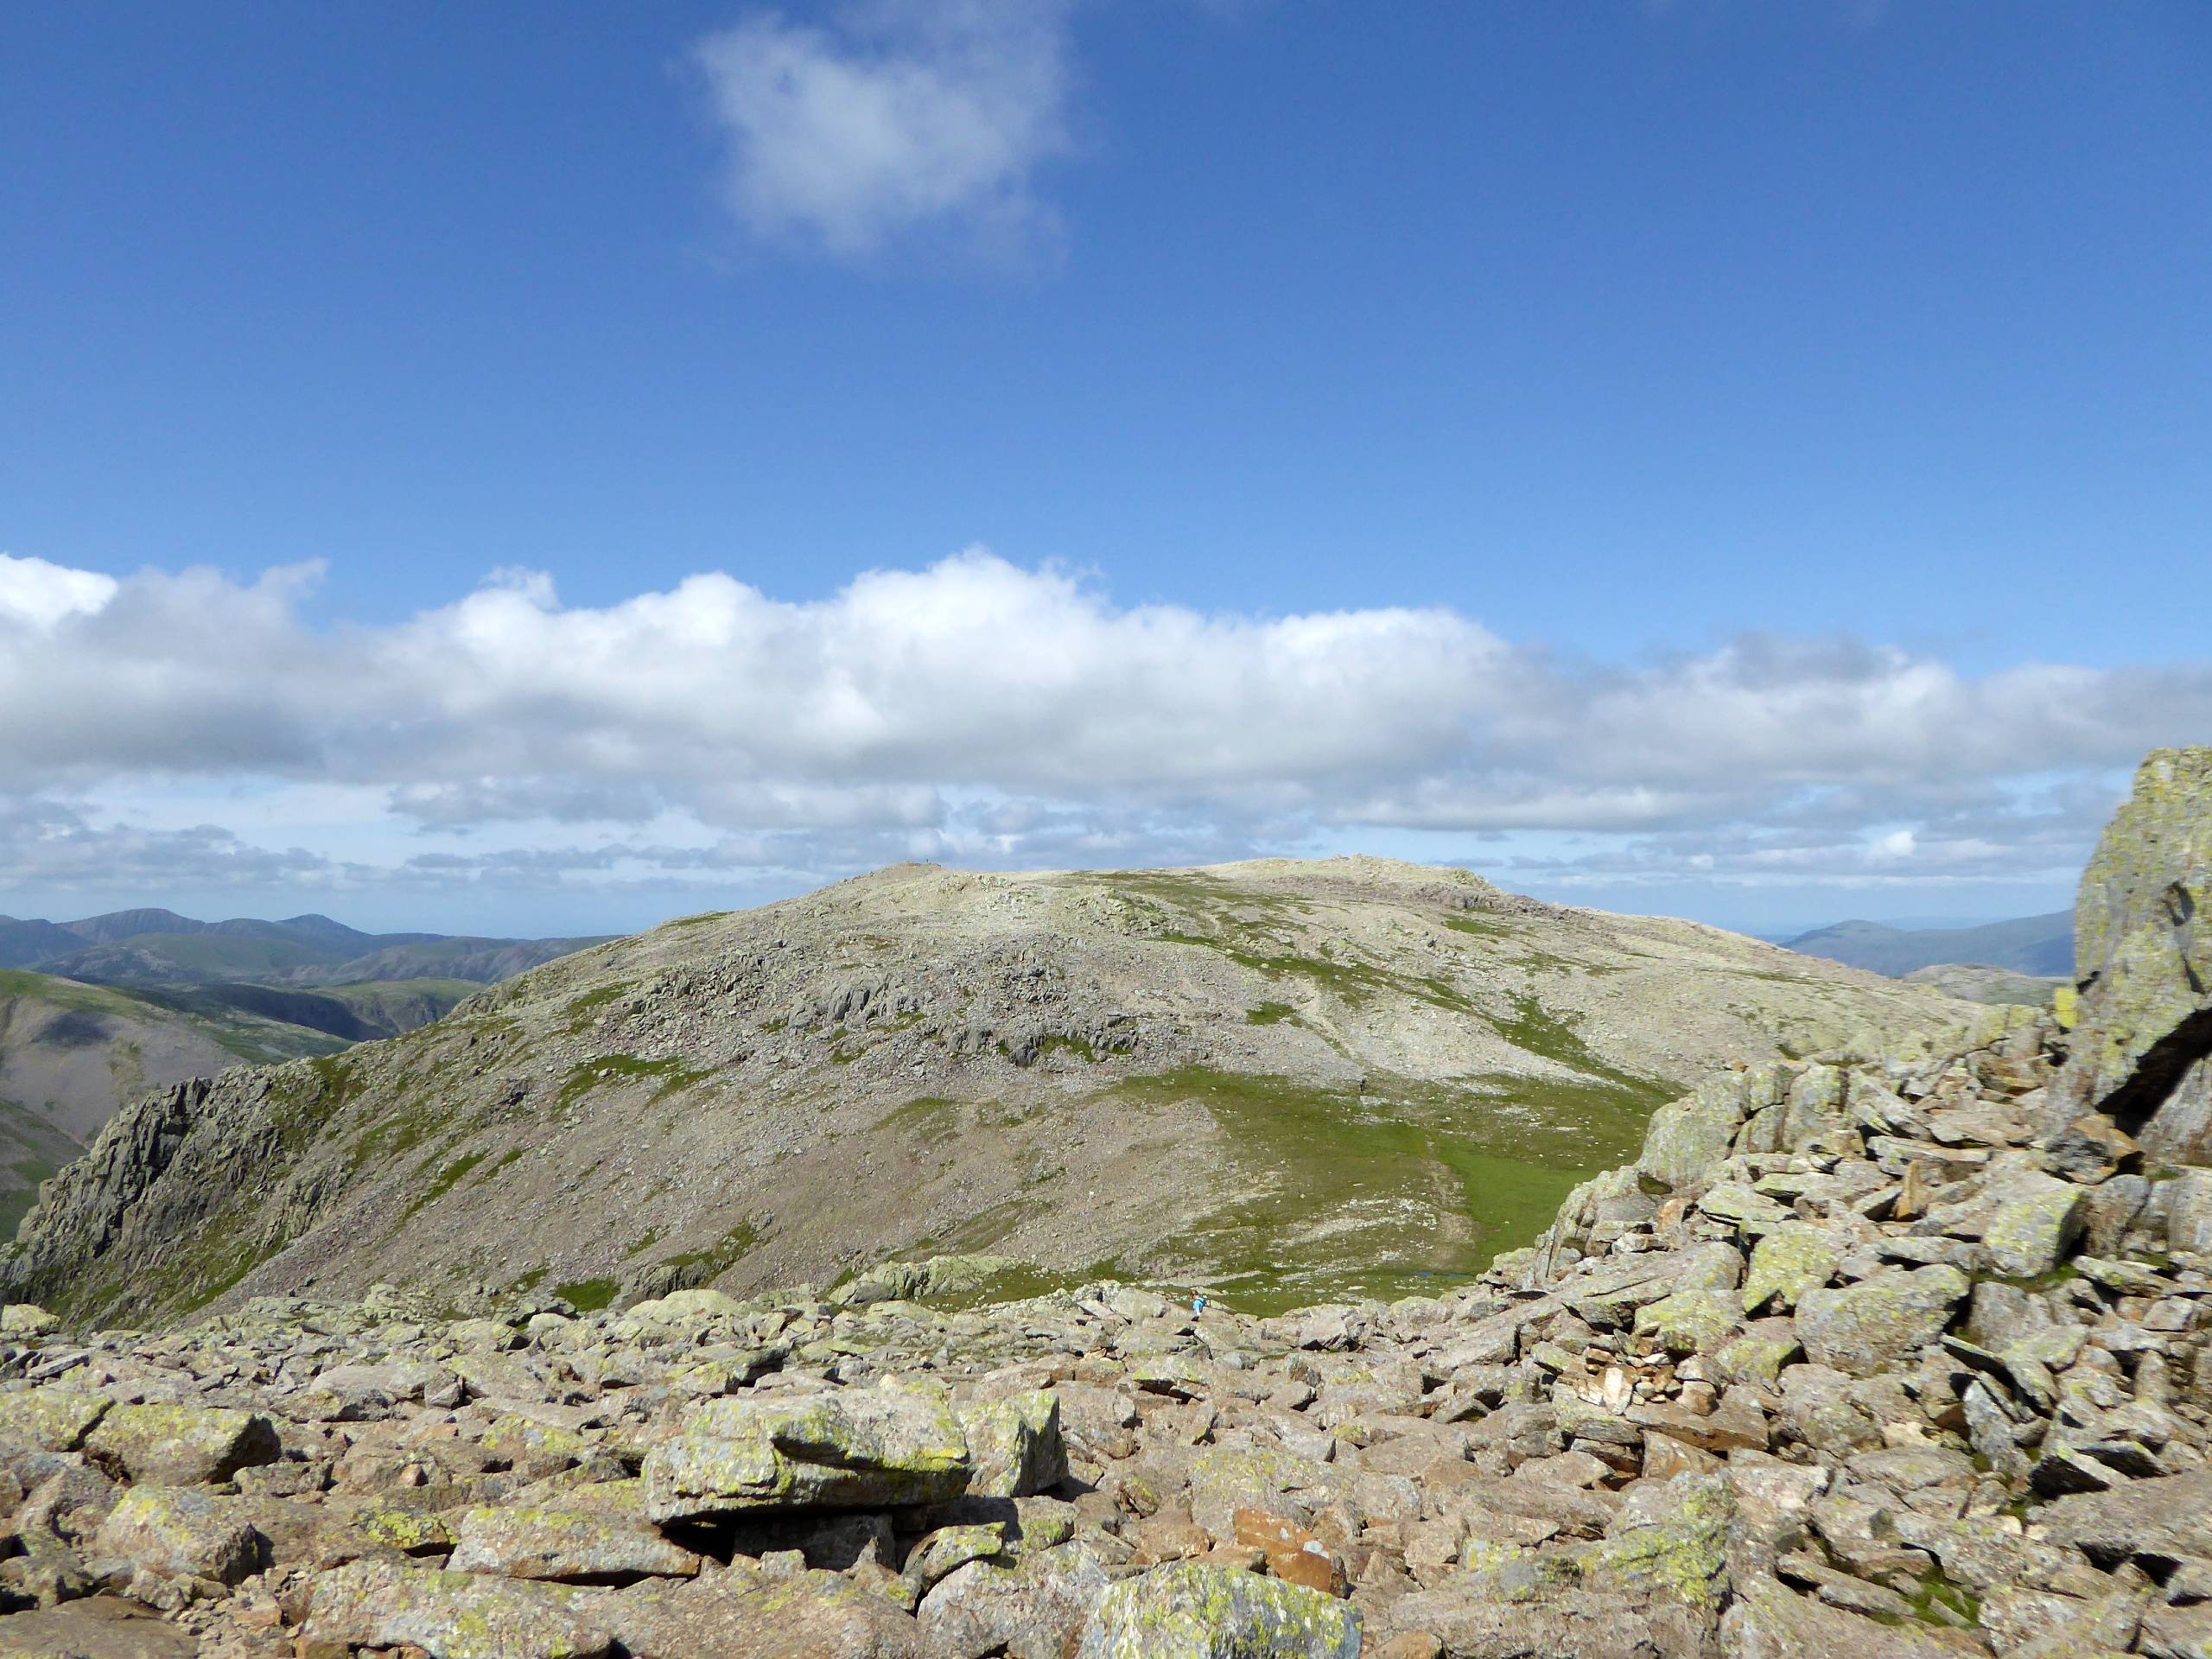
(905, 113)
(37, 594)
(980, 712)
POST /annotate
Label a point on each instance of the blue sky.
(1745, 459)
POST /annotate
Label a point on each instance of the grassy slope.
(31, 1150)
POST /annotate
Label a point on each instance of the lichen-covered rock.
(1768, 1621)
(1689, 1321)
(2142, 951)
(531, 1541)
(1865, 1328)
(182, 1532)
(182, 1446)
(845, 1450)
(1671, 1544)
(1014, 1444)
(2034, 1220)
(1789, 1261)
(1192, 1610)
(55, 1417)
(26, 1321)
(738, 1612)
(1688, 1136)
(450, 1615)
(1032, 1610)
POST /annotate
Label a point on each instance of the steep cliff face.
(1281, 1079)
(2143, 1023)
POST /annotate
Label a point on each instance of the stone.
(1688, 1136)
(1768, 1621)
(1192, 1611)
(1013, 1445)
(182, 1532)
(1741, 1207)
(949, 1549)
(1792, 1259)
(852, 1449)
(739, 1612)
(1690, 1321)
(100, 1627)
(25, 1322)
(450, 1615)
(55, 1417)
(1032, 1610)
(1670, 1541)
(573, 1546)
(1865, 1328)
(2155, 1523)
(2188, 1206)
(2035, 1221)
(1294, 1555)
(180, 1446)
(2091, 1148)
(2143, 954)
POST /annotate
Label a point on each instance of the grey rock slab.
(450, 1615)
(741, 1614)
(100, 1627)
(855, 1448)
(1865, 1328)
(1193, 1611)
(180, 1445)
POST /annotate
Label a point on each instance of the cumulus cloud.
(979, 711)
(903, 113)
(33, 594)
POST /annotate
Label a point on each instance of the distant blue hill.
(2041, 945)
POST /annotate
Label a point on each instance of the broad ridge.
(1898, 1348)
(1280, 1079)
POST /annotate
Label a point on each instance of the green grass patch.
(931, 1119)
(588, 1295)
(587, 1076)
(448, 1178)
(1410, 1187)
(1270, 1014)
(1478, 928)
(700, 1266)
(583, 1011)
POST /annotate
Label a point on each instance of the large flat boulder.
(1193, 1611)
(849, 1449)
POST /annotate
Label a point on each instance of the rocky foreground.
(1877, 1354)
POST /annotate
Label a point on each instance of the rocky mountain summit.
(1900, 1349)
(1281, 1080)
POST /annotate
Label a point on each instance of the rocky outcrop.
(2144, 947)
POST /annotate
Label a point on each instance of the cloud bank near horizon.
(187, 729)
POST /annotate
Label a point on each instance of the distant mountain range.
(95, 1011)
(159, 947)
(2039, 946)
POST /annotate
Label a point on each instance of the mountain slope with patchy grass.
(70, 1055)
(1282, 1079)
